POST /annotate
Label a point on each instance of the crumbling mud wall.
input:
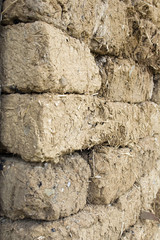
(80, 120)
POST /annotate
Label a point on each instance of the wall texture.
(80, 120)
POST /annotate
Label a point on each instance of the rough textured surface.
(42, 127)
(126, 28)
(94, 222)
(110, 35)
(146, 229)
(156, 204)
(143, 41)
(43, 191)
(150, 184)
(143, 231)
(148, 9)
(124, 80)
(102, 24)
(104, 56)
(114, 171)
(42, 58)
(156, 90)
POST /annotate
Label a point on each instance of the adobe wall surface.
(80, 120)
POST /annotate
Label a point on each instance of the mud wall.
(80, 120)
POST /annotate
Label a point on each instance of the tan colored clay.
(114, 171)
(102, 24)
(94, 222)
(44, 59)
(43, 191)
(43, 127)
(80, 120)
(144, 231)
(125, 81)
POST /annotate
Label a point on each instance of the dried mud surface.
(43, 191)
(44, 127)
(80, 120)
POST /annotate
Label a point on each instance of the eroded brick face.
(80, 120)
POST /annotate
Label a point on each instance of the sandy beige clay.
(80, 120)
